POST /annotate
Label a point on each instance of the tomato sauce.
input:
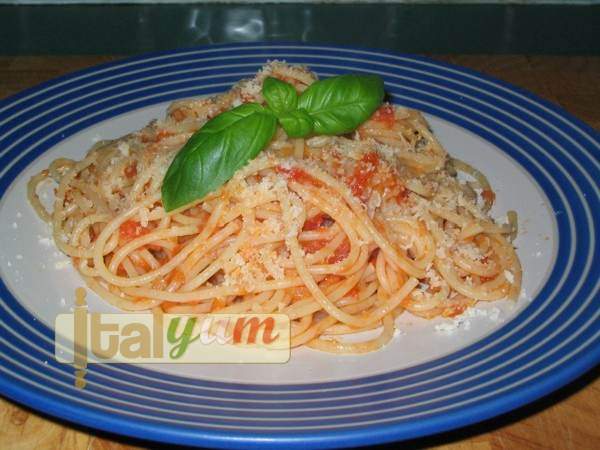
(488, 196)
(385, 115)
(454, 310)
(317, 222)
(131, 170)
(131, 229)
(179, 115)
(160, 135)
(353, 292)
(373, 256)
(331, 279)
(340, 253)
(313, 246)
(300, 292)
(402, 195)
(363, 172)
(299, 175)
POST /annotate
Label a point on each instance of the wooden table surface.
(566, 420)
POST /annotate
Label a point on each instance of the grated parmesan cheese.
(434, 278)
(45, 241)
(398, 332)
(60, 265)
(123, 148)
(470, 251)
(450, 326)
(494, 314)
(238, 260)
(440, 252)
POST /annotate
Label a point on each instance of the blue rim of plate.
(552, 341)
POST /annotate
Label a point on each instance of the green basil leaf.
(297, 123)
(338, 105)
(228, 118)
(215, 152)
(279, 95)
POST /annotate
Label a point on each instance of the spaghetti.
(342, 234)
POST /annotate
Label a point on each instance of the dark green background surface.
(129, 29)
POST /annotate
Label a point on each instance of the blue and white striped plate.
(541, 159)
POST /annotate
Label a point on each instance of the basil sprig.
(338, 105)
(296, 124)
(279, 95)
(226, 143)
(215, 152)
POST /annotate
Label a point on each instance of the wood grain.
(566, 420)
